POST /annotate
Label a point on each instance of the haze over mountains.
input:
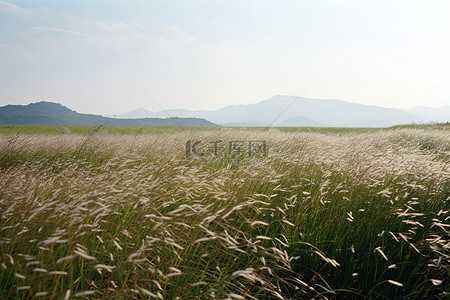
(278, 111)
(298, 111)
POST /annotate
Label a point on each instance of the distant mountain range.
(48, 113)
(278, 111)
(293, 111)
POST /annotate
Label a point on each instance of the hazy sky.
(110, 57)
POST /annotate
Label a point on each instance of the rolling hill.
(49, 113)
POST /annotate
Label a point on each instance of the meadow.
(117, 213)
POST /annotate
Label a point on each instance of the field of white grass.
(322, 215)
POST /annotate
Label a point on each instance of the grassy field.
(121, 213)
(86, 130)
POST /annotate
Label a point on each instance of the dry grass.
(323, 215)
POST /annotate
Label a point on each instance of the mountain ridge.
(277, 110)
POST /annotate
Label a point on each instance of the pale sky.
(112, 56)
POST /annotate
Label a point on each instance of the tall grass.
(348, 215)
